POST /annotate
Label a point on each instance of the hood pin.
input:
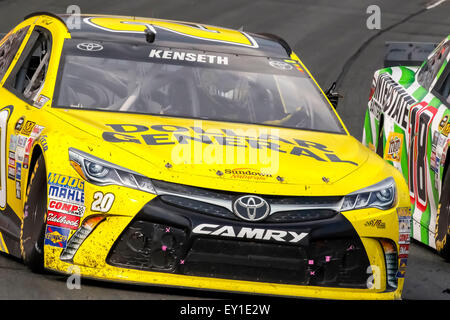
(168, 165)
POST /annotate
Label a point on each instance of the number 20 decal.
(421, 116)
(102, 202)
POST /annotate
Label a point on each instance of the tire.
(442, 235)
(35, 213)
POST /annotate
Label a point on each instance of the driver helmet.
(224, 87)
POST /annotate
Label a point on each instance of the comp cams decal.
(66, 207)
(171, 135)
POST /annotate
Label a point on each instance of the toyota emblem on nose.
(251, 208)
(89, 46)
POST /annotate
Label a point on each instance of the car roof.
(263, 44)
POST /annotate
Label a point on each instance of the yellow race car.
(181, 154)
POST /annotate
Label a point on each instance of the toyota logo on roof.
(251, 208)
(280, 65)
(89, 46)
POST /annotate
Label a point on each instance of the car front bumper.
(171, 245)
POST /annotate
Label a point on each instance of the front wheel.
(34, 218)
(442, 235)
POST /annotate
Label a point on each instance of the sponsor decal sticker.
(245, 174)
(66, 207)
(444, 125)
(21, 141)
(12, 166)
(401, 274)
(20, 153)
(28, 127)
(60, 219)
(56, 236)
(13, 142)
(18, 189)
(379, 224)
(394, 144)
(392, 99)
(12, 172)
(12, 158)
(41, 101)
(28, 145)
(36, 131)
(60, 180)
(19, 123)
(404, 225)
(66, 188)
(403, 251)
(404, 212)
(43, 141)
(169, 134)
(18, 171)
(443, 122)
(404, 238)
(404, 218)
(26, 161)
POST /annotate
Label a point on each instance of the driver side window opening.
(430, 69)
(30, 72)
(8, 49)
(444, 89)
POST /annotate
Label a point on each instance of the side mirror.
(333, 96)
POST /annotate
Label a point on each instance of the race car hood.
(222, 154)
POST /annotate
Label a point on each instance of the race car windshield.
(180, 83)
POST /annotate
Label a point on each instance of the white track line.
(431, 6)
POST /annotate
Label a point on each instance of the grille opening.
(340, 262)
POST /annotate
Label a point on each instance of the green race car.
(407, 123)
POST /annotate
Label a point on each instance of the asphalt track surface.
(333, 41)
